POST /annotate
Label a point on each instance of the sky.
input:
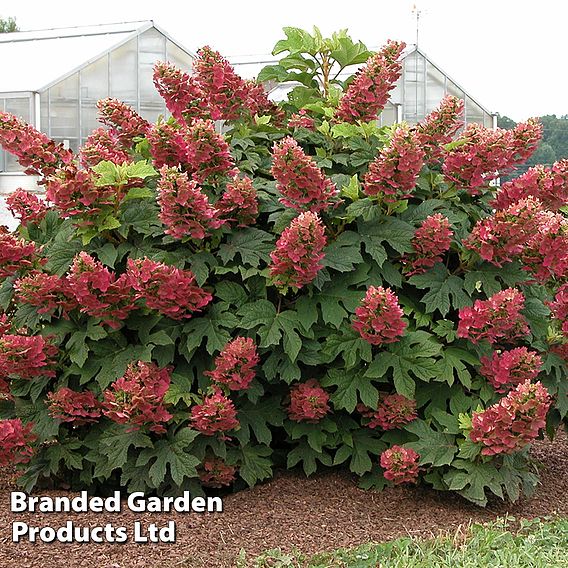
(509, 55)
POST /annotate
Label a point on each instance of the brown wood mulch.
(320, 513)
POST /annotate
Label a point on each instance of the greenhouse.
(54, 78)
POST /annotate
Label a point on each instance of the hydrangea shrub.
(245, 286)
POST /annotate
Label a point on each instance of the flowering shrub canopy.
(193, 308)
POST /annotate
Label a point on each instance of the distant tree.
(505, 122)
(8, 25)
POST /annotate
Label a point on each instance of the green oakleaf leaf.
(441, 285)
(472, 480)
(252, 245)
(343, 254)
(411, 356)
(172, 452)
(434, 447)
(351, 385)
(350, 345)
(305, 454)
(214, 326)
(364, 447)
(255, 464)
(257, 418)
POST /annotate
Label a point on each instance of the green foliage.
(499, 543)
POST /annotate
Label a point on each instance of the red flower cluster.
(234, 366)
(440, 126)
(102, 145)
(45, 291)
(368, 93)
(137, 398)
(75, 192)
(26, 206)
(15, 441)
(68, 405)
(167, 145)
(302, 184)
(226, 92)
(207, 155)
(166, 289)
(259, 104)
(183, 97)
(35, 151)
(15, 254)
(393, 411)
(392, 174)
(98, 292)
(296, 259)
(513, 422)
(214, 91)
(309, 402)
(431, 240)
(216, 473)
(504, 235)
(546, 253)
(488, 153)
(124, 122)
(184, 209)
(559, 307)
(302, 120)
(548, 185)
(26, 356)
(239, 202)
(378, 319)
(497, 319)
(400, 465)
(217, 413)
(505, 370)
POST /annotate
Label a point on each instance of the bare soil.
(320, 513)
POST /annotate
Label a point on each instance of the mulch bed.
(320, 513)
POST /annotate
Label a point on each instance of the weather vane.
(417, 12)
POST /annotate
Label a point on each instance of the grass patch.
(501, 544)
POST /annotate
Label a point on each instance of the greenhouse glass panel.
(64, 111)
(178, 57)
(124, 73)
(94, 86)
(20, 107)
(151, 48)
(474, 113)
(414, 88)
(388, 115)
(435, 87)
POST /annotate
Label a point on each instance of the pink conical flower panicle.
(392, 174)
(516, 420)
(505, 370)
(431, 240)
(302, 184)
(498, 319)
(184, 209)
(369, 91)
(299, 250)
(309, 402)
(378, 319)
(137, 398)
(37, 153)
(440, 126)
(235, 365)
(400, 465)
